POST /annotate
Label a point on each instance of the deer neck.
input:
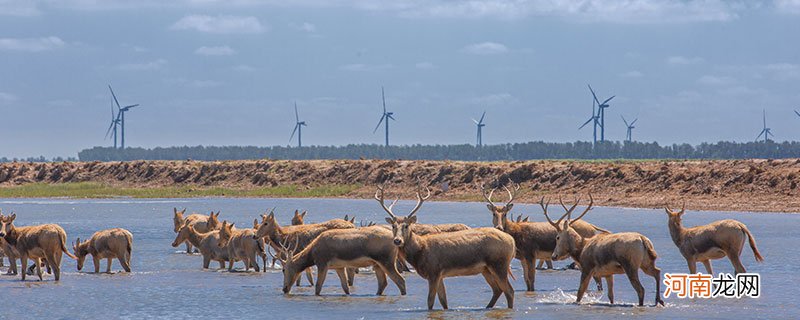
(413, 249)
(11, 235)
(276, 233)
(303, 260)
(195, 237)
(676, 231)
(580, 243)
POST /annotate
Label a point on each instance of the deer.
(43, 242)
(485, 251)
(242, 245)
(534, 240)
(715, 240)
(345, 249)
(304, 234)
(607, 254)
(201, 223)
(298, 218)
(109, 244)
(12, 255)
(206, 242)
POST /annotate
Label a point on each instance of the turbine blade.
(626, 121)
(609, 99)
(115, 96)
(296, 115)
(109, 128)
(383, 98)
(476, 121)
(379, 123)
(760, 134)
(131, 106)
(593, 95)
(585, 123)
(797, 113)
(483, 115)
(293, 132)
(634, 121)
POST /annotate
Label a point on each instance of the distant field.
(99, 190)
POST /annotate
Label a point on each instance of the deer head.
(177, 219)
(500, 213)
(286, 253)
(401, 226)
(225, 233)
(567, 239)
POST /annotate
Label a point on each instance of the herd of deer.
(434, 251)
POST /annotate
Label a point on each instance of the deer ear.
(231, 226)
(12, 217)
(509, 206)
(390, 220)
(490, 207)
(303, 215)
(411, 220)
(255, 223)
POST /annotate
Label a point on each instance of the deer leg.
(733, 255)
(599, 283)
(207, 261)
(540, 265)
(23, 260)
(125, 263)
(51, 264)
(496, 292)
(531, 275)
(692, 265)
(108, 268)
(442, 293)
(380, 275)
(38, 262)
(610, 284)
(188, 247)
(390, 267)
(221, 264)
(525, 274)
(633, 276)
(309, 276)
(586, 276)
(707, 264)
(500, 273)
(322, 272)
(351, 276)
(96, 262)
(549, 264)
(342, 273)
(433, 285)
(650, 269)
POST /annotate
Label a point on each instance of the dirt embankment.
(744, 185)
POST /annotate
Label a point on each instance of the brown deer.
(298, 218)
(242, 244)
(607, 254)
(345, 249)
(43, 242)
(206, 242)
(485, 251)
(12, 255)
(109, 244)
(715, 240)
(201, 223)
(304, 234)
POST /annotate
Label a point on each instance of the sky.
(214, 72)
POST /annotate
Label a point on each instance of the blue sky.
(227, 72)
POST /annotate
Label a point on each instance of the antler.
(544, 208)
(510, 195)
(420, 198)
(591, 202)
(488, 197)
(569, 211)
(379, 198)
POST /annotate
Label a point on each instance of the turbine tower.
(601, 112)
(298, 127)
(112, 128)
(121, 116)
(629, 136)
(480, 125)
(766, 132)
(385, 116)
(594, 118)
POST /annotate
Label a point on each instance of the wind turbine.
(385, 116)
(298, 127)
(766, 132)
(112, 128)
(797, 113)
(121, 116)
(629, 136)
(601, 113)
(480, 125)
(594, 118)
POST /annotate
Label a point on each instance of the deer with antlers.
(485, 251)
(715, 240)
(534, 240)
(607, 254)
(344, 250)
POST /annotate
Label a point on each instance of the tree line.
(501, 152)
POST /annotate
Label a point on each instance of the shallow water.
(169, 284)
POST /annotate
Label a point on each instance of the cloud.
(710, 80)
(31, 44)
(220, 24)
(494, 99)
(60, 103)
(143, 66)
(425, 65)
(632, 74)
(681, 60)
(360, 67)
(215, 51)
(305, 27)
(6, 97)
(788, 6)
(244, 68)
(486, 48)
